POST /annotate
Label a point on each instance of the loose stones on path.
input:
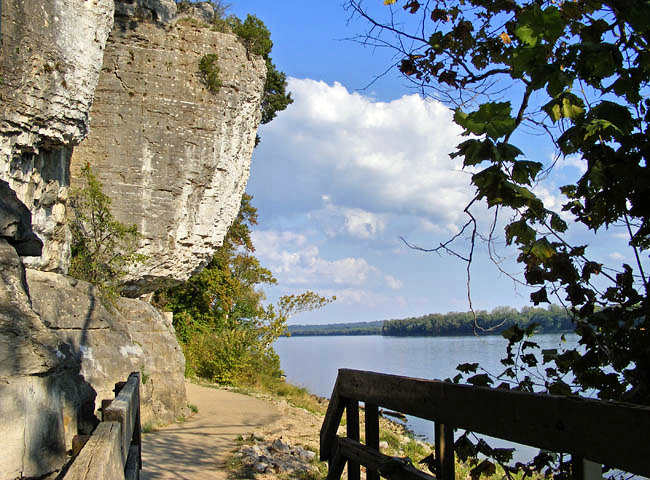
(276, 456)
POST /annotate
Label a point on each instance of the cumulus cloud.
(368, 158)
(295, 261)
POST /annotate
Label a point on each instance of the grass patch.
(193, 408)
(149, 427)
(294, 395)
(192, 21)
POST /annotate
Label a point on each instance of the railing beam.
(372, 434)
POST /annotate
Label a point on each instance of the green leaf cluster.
(579, 73)
(102, 248)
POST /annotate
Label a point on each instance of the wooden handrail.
(114, 448)
(610, 433)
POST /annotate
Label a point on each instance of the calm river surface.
(313, 362)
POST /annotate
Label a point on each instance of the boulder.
(162, 11)
(44, 401)
(114, 337)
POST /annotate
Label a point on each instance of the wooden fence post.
(444, 438)
(372, 434)
(352, 418)
(583, 469)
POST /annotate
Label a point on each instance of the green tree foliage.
(577, 71)
(275, 98)
(102, 248)
(553, 319)
(256, 37)
(224, 327)
(209, 67)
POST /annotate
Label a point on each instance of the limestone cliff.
(173, 156)
(50, 57)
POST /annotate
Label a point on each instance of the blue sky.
(349, 168)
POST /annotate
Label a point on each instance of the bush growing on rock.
(102, 247)
(209, 67)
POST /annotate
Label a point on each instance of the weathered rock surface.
(44, 401)
(113, 340)
(16, 223)
(162, 11)
(173, 157)
(50, 57)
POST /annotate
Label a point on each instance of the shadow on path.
(197, 448)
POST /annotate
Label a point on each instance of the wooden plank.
(78, 442)
(372, 435)
(582, 427)
(352, 428)
(132, 469)
(124, 410)
(101, 457)
(388, 467)
(105, 404)
(331, 423)
(444, 444)
(336, 462)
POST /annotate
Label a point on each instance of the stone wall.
(173, 156)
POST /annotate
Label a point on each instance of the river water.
(313, 362)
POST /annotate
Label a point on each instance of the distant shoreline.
(553, 319)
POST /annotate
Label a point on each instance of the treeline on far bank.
(553, 319)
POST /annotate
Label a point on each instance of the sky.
(359, 161)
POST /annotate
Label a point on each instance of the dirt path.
(197, 448)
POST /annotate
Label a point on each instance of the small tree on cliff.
(102, 248)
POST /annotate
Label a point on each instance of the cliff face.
(173, 156)
(50, 58)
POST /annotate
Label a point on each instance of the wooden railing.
(593, 432)
(113, 451)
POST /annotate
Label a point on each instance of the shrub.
(210, 70)
(102, 247)
(254, 35)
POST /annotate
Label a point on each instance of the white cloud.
(297, 262)
(371, 158)
(572, 161)
(616, 256)
(392, 282)
(362, 224)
